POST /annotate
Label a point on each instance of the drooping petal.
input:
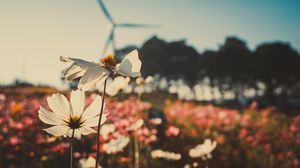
(73, 72)
(57, 130)
(77, 102)
(59, 105)
(77, 69)
(93, 109)
(93, 122)
(49, 117)
(130, 66)
(90, 78)
(82, 63)
(86, 130)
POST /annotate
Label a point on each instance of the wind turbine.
(114, 26)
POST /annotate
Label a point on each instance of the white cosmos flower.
(203, 150)
(163, 84)
(92, 73)
(156, 121)
(136, 125)
(160, 154)
(106, 129)
(88, 163)
(116, 85)
(67, 116)
(144, 85)
(116, 145)
(184, 92)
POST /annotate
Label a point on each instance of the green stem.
(206, 163)
(136, 153)
(71, 149)
(131, 152)
(99, 124)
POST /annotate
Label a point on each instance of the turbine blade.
(134, 25)
(109, 40)
(105, 11)
(113, 42)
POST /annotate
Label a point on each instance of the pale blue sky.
(34, 33)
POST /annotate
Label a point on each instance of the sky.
(34, 33)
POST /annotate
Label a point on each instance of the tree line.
(233, 66)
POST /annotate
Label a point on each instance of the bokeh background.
(224, 70)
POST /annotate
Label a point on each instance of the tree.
(173, 60)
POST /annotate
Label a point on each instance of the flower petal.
(93, 109)
(49, 117)
(93, 122)
(86, 130)
(90, 78)
(69, 133)
(130, 66)
(73, 72)
(77, 134)
(77, 102)
(57, 130)
(59, 105)
(82, 63)
(77, 69)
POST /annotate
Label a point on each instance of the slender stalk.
(99, 124)
(131, 152)
(206, 163)
(136, 154)
(71, 149)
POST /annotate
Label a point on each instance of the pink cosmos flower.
(14, 140)
(172, 131)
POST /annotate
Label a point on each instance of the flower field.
(142, 133)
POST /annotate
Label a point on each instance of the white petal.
(59, 105)
(77, 69)
(93, 122)
(149, 79)
(57, 130)
(130, 66)
(73, 72)
(112, 91)
(82, 63)
(86, 130)
(93, 109)
(77, 134)
(77, 102)
(91, 77)
(69, 133)
(49, 117)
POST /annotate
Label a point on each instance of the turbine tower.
(114, 26)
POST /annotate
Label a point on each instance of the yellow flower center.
(74, 122)
(109, 62)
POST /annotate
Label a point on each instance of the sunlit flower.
(155, 121)
(203, 150)
(116, 85)
(160, 154)
(106, 129)
(116, 145)
(95, 73)
(144, 85)
(88, 163)
(172, 131)
(13, 140)
(67, 117)
(163, 84)
(136, 125)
